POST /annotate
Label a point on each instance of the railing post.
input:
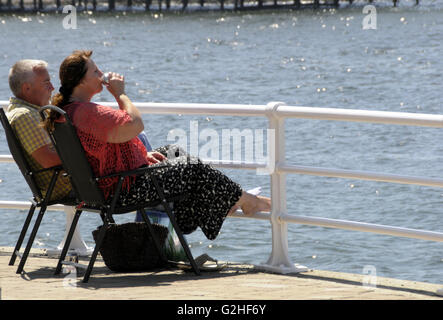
(279, 260)
(77, 244)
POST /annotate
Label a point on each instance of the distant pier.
(159, 5)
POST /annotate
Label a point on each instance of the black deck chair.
(88, 193)
(38, 200)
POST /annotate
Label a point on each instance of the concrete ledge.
(236, 282)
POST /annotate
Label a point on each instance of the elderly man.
(31, 86)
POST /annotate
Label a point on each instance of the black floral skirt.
(210, 193)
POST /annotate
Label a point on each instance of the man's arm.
(34, 139)
(46, 156)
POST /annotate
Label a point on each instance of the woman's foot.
(257, 204)
(251, 204)
(233, 209)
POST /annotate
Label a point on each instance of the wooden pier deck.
(235, 282)
(159, 5)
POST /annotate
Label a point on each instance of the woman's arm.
(130, 129)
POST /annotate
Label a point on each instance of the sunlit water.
(313, 58)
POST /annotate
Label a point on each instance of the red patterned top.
(93, 123)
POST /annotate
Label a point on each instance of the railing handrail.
(283, 111)
(276, 112)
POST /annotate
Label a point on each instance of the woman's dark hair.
(72, 71)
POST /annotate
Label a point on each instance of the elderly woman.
(109, 138)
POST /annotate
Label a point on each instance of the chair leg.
(67, 241)
(31, 239)
(98, 243)
(171, 216)
(181, 238)
(111, 219)
(22, 234)
(38, 221)
(161, 253)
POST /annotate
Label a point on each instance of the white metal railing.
(277, 112)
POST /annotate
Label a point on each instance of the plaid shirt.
(25, 121)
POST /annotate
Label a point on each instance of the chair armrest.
(138, 171)
(50, 107)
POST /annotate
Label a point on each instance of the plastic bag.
(173, 249)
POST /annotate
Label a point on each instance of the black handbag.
(130, 247)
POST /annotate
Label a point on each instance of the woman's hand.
(116, 84)
(130, 129)
(155, 157)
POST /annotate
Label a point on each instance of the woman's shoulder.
(85, 105)
(90, 108)
(83, 112)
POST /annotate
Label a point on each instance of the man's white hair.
(24, 71)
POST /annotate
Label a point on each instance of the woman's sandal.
(204, 263)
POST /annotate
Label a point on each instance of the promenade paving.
(235, 282)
